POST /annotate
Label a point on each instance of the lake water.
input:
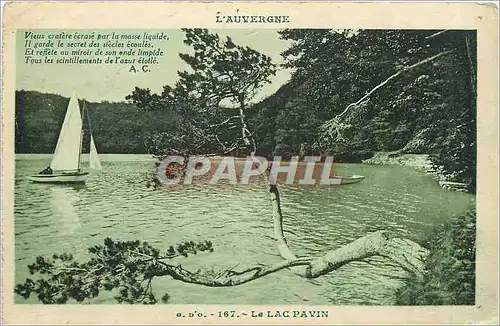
(119, 204)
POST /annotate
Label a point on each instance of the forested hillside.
(420, 89)
(117, 127)
(398, 90)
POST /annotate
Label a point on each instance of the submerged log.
(406, 253)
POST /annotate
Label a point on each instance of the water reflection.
(63, 200)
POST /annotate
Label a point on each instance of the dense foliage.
(221, 73)
(427, 109)
(449, 277)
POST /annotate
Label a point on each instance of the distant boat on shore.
(65, 166)
(347, 180)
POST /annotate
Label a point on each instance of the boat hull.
(60, 178)
(351, 179)
(339, 180)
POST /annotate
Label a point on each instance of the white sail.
(68, 149)
(94, 162)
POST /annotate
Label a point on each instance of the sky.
(113, 82)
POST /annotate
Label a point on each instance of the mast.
(81, 138)
(88, 118)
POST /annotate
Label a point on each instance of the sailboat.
(66, 161)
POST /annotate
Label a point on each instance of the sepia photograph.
(283, 169)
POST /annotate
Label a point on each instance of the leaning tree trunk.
(405, 252)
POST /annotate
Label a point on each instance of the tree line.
(417, 106)
(427, 107)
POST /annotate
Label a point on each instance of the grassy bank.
(449, 277)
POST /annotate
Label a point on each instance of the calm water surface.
(119, 204)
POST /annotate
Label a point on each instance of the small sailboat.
(66, 162)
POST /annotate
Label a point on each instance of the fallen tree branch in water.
(406, 253)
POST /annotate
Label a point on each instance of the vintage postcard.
(249, 163)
